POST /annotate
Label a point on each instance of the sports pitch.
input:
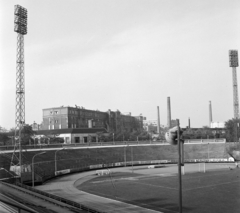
(216, 190)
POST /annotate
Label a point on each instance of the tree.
(232, 130)
(133, 135)
(234, 151)
(26, 134)
(144, 135)
(201, 133)
(2, 129)
(4, 136)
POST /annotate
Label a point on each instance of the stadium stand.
(92, 158)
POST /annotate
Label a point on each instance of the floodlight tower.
(20, 26)
(233, 62)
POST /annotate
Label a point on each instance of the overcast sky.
(128, 55)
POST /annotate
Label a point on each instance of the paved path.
(65, 187)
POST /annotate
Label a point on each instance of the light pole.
(132, 157)
(173, 136)
(125, 155)
(20, 27)
(55, 157)
(208, 151)
(237, 125)
(33, 166)
(113, 137)
(180, 164)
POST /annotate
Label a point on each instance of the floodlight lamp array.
(233, 58)
(20, 21)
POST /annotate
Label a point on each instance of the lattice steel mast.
(233, 62)
(20, 26)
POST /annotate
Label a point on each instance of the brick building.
(79, 117)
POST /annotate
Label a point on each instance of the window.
(56, 112)
(77, 139)
(56, 121)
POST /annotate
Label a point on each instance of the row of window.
(74, 121)
(52, 126)
(90, 114)
(53, 112)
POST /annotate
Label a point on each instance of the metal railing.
(111, 143)
(29, 190)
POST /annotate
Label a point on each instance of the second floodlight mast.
(233, 62)
(20, 27)
(173, 136)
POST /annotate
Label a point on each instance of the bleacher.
(85, 158)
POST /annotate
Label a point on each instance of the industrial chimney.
(210, 113)
(158, 119)
(168, 113)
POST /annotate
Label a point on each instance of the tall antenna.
(20, 26)
(233, 62)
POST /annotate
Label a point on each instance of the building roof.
(70, 131)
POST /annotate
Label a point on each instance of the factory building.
(217, 125)
(79, 117)
(80, 125)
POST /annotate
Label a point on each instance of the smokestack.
(168, 113)
(158, 118)
(210, 113)
(189, 125)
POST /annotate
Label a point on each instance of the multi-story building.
(79, 117)
(217, 125)
(80, 125)
(151, 126)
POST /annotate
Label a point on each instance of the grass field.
(217, 190)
